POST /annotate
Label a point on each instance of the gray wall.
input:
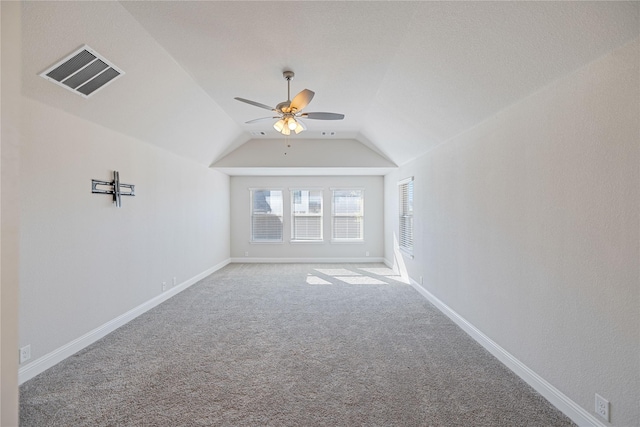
(326, 250)
(84, 262)
(10, 210)
(527, 227)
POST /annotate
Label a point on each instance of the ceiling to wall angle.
(416, 74)
(83, 72)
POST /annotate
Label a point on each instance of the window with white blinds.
(266, 215)
(306, 215)
(348, 215)
(405, 188)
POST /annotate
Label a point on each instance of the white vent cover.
(83, 72)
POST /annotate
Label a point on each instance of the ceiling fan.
(289, 112)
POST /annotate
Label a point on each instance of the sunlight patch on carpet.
(337, 272)
(315, 280)
(387, 273)
(380, 271)
(361, 280)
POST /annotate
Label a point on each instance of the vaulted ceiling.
(407, 75)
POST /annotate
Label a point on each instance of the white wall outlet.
(602, 407)
(366, 253)
(175, 281)
(164, 286)
(246, 253)
(25, 353)
(421, 281)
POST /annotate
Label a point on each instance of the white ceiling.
(407, 75)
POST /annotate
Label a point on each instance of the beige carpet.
(287, 345)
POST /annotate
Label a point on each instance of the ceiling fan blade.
(302, 99)
(262, 119)
(257, 104)
(323, 116)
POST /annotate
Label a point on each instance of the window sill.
(306, 241)
(359, 241)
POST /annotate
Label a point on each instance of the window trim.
(333, 215)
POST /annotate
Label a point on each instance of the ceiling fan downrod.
(288, 75)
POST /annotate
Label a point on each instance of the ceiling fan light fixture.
(291, 123)
(279, 125)
(298, 129)
(286, 131)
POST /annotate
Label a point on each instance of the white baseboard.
(251, 260)
(26, 372)
(571, 409)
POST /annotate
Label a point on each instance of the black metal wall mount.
(118, 189)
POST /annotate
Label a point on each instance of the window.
(348, 215)
(306, 215)
(266, 215)
(405, 188)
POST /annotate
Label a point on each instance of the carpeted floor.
(287, 345)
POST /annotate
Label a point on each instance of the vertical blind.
(266, 215)
(348, 214)
(405, 188)
(306, 215)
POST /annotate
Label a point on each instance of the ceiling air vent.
(83, 72)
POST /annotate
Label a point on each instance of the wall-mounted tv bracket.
(118, 189)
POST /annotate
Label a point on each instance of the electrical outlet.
(175, 281)
(246, 253)
(602, 407)
(25, 353)
(164, 286)
(421, 281)
(366, 253)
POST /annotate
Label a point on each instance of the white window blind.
(405, 189)
(306, 215)
(348, 215)
(266, 215)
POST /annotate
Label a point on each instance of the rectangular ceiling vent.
(83, 72)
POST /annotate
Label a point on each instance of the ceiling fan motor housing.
(283, 107)
(288, 75)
